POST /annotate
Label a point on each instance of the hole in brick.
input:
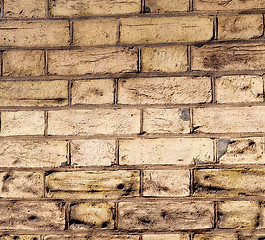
(147, 9)
(120, 186)
(32, 218)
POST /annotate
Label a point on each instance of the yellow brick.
(21, 184)
(227, 120)
(229, 182)
(216, 5)
(32, 153)
(160, 6)
(179, 151)
(242, 88)
(166, 183)
(164, 59)
(92, 215)
(34, 33)
(19, 237)
(93, 184)
(71, 8)
(93, 61)
(22, 123)
(240, 27)
(94, 122)
(165, 90)
(33, 93)
(91, 237)
(33, 215)
(95, 32)
(24, 8)
(165, 216)
(210, 236)
(262, 217)
(238, 57)
(162, 29)
(98, 91)
(100, 152)
(174, 120)
(23, 63)
(238, 214)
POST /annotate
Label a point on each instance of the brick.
(91, 237)
(95, 32)
(234, 89)
(166, 183)
(262, 216)
(22, 123)
(92, 215)
(93, 122)
(166, 29)
(220, 5)
(228, 120)
(24, 8)
(93, 61)
(160, 6)
(34, 33)
(19, 237)
(237, 214)
(32, 153)
(21, 215)
(93, 184)
(165, 90)
(240, 150)
(71, 8)
(221, 236)
(166, 120)
(179, 151)
(165, 216)
(21, 184)
(23, 63)
(100, 152)
(164, 59)
(98, 91)
(237, 57)
(33, 93)
(229, 182)
(181, 236)
(240, 27)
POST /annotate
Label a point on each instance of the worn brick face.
(166, 237)
(91, 237)
(160, 6)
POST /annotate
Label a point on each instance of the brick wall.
(132, 120)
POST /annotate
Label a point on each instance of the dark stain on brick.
(185, 114)
(222, 145)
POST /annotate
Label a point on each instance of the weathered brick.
(34, 33)
(237, 57)
(93, 122)
(244, 88)
(22, 123)
(160, 6)
(174, 120)
(240, 26)
(21, 215)
(98, 91)
(166, 183)
(100, 152)
(179, 151)
(93, 184)
(95, 32)
(228, 120)
(23, 63)
(237, 214)
(240, 150)
(166, 29)
(180, 236)
(165, 216)
(164, 59)
(33, 93)
(32, 153)
(262, 217)
(71, 8)
(19, 237)
(24, 8)
(93, 61)
(221, 236)
(229, 182)
(91, 237)
(92, 215)
(21, 184)
(165, 90)
(217, 5)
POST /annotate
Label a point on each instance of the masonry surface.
(132, 120)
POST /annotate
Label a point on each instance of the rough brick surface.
(160, 6)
